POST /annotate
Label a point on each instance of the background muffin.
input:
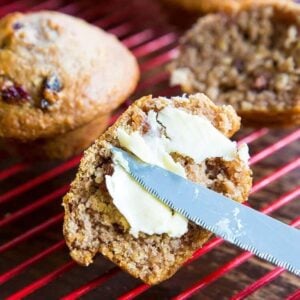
(59, 74)
(207, 6)
(248, 59)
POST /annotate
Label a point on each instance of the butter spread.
(142, 211)
(171, 130)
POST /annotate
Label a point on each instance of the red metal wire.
(39, 179)
(255, 135)
(34, 205)
(91, 285)
(41, 282)
(90, 13)
(31, 232)
(135, 292)
(86, 9)
(32, 260)
(294, 296)
(15, 6)
(50, 4)
(157, 44)
(294, 164)
(274, 147)
(13, 170)
(114, 17)
(154, 41)
(159, 60)
(139, 38)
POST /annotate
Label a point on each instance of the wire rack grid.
(34, 261)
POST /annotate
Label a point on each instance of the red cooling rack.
(34, 261)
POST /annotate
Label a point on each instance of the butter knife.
(238, 224)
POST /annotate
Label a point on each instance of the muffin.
(204, 6)
(60, 79)
(136, 231)
(249, 59)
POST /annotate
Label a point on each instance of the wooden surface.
(223, 288)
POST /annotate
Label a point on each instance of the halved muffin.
(249, 59)
(135, 230)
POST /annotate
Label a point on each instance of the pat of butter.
(186, 134)
(142, 211)
(194, 136)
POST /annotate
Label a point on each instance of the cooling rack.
(34, 261)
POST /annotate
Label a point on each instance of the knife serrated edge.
(201, 223)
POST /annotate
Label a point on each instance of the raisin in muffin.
(93, 222)
(60, 78)
(249, 59)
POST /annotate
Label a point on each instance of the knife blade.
(236, 223)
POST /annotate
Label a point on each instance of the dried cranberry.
(44, 104)
(17, 25)
(53, 83)
(261, 82)
(14, 94)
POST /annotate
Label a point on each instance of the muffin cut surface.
(249, 59)
(94, 224)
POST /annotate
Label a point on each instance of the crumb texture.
(93, 224)
(250, 60)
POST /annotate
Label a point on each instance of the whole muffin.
(59, 77)
(249, 59)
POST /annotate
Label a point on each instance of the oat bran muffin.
(59, 77)
(249, 59)
(93, 223)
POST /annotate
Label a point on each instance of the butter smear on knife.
(171, 130)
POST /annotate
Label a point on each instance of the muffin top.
(58, 73)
